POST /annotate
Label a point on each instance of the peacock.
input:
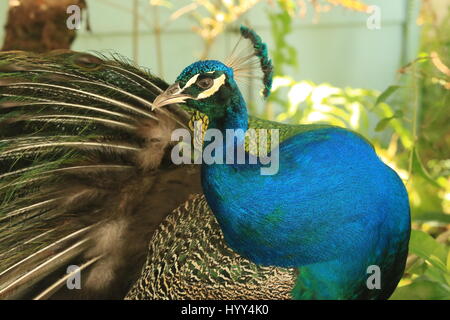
(88, 180)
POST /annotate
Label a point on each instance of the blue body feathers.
(334, 207)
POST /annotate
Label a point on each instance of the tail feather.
(80, 148)
(25, 282)
(54, 287)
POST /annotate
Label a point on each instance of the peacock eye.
(205, 83)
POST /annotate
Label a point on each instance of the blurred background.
(379, 67)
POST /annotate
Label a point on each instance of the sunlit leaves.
(384, 110)
(355, 5)
(422, 290)
(430, 272)
(308, 102)
(427, 248)
(419, 169)
(283, 54)
(383, 123)
(213, 16)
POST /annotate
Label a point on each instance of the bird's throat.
(233, 126)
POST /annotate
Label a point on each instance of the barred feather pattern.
(190, 260)
(83, 171)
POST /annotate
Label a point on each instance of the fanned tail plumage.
(83, 172)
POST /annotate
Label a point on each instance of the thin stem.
(158, 45)
(415, 98)
(135, 37)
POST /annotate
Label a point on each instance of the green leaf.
(385, 121)
(382, 124)
(448, 262)
(447, 276)
(422, 290)
(288, 6)
(419, 267)
(437, 271)
(426, 247)
(386, 94)
(423, 215)
(419, 168)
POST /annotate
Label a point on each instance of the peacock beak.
(173, 94)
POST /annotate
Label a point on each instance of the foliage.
(428, 272)
(212, 17)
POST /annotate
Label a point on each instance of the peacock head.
(209, 86)
(203, 86)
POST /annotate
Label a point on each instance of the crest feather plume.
(244, 64)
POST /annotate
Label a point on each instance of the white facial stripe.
(190, 81)
(218, 82)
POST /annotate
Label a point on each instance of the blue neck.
(236, 119)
